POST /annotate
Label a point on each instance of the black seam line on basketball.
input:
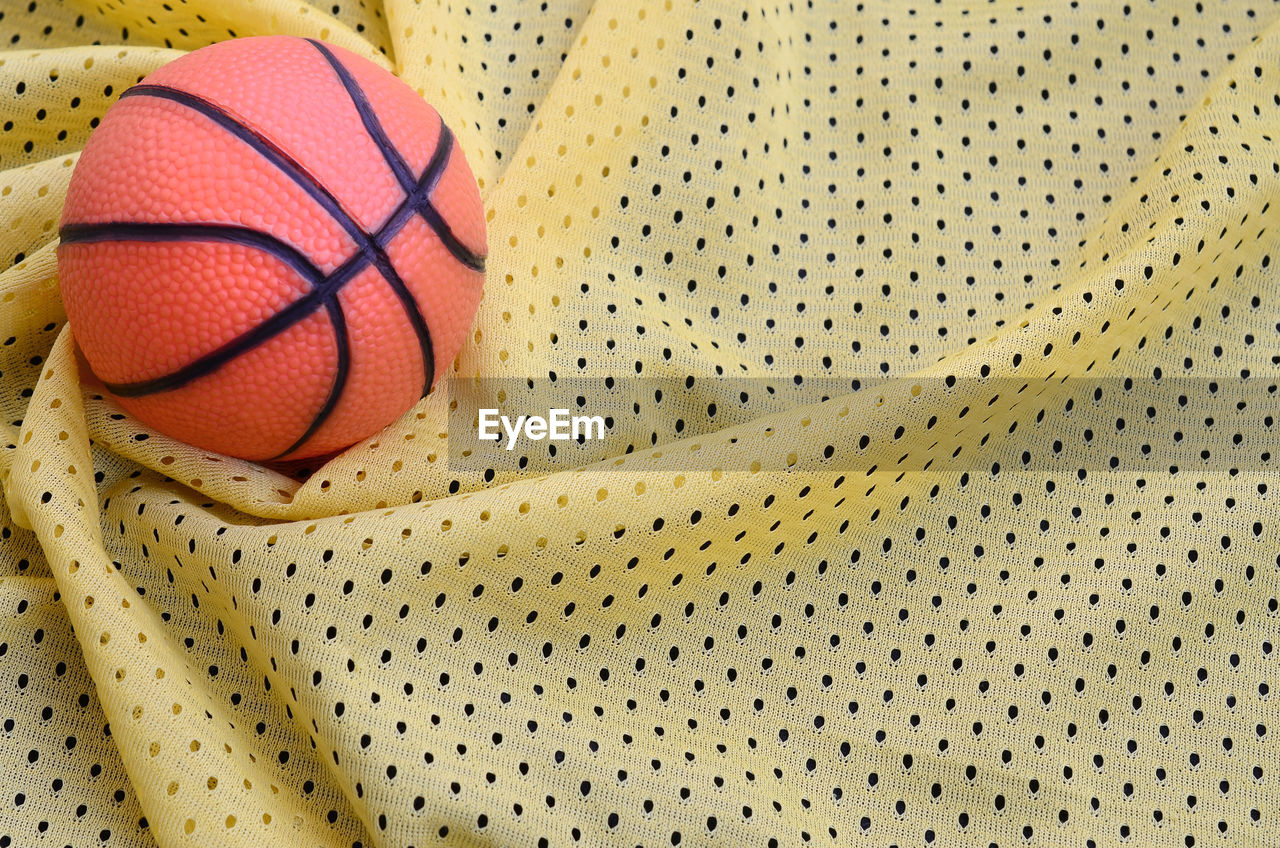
(417, 195)
(343, 340)
(285, 164)
(369, 118)
(430, 179)
(408, 302)
(371, 247)
(395, 161)
(435, 170)
(323, 287)
(163, 231)
(259, 334)
(377, 257)
(262, 145)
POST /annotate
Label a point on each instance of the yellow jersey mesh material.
(959, 530)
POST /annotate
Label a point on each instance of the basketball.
(271, 248)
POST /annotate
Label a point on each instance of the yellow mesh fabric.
(958, 527)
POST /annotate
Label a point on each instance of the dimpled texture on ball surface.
(271, 248)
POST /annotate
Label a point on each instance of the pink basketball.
(271, 248)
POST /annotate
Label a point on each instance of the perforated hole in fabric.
(938, 348)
